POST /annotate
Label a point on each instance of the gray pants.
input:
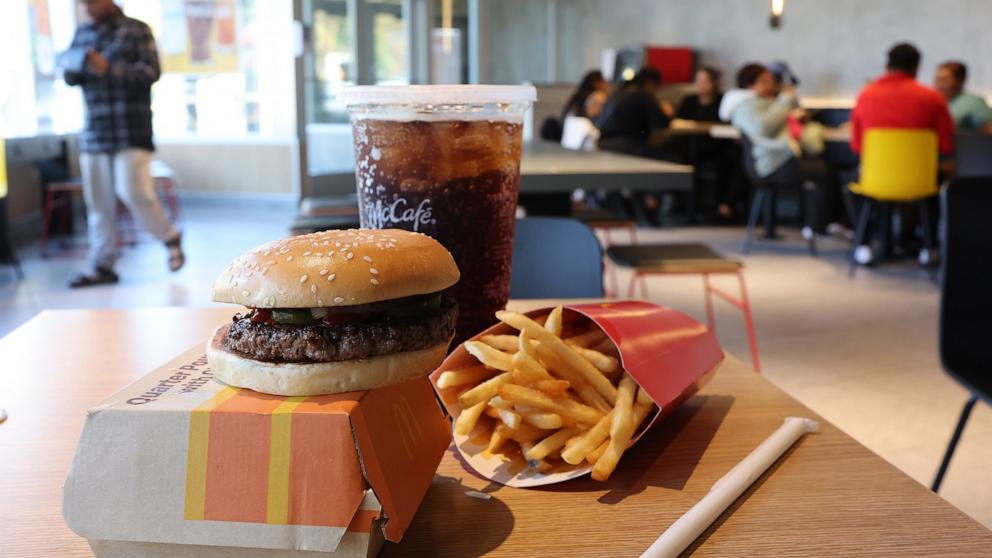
(122, 175)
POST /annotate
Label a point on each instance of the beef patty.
(322, 342)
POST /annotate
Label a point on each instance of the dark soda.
(455, 180)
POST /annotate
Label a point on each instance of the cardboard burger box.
(668, 354)
(178, 464)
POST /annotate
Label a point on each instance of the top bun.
(337, 268)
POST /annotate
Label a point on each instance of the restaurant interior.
(801, 183)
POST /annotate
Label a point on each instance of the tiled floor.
(861, 352)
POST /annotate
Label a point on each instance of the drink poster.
(199, 36)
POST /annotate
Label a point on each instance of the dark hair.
(713, 73)
(957, 68)
(749, 74)
(646, 75)
(904, 57)
(577, 102)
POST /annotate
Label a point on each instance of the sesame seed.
(331, 277)
(289, 258)
(373, 271)
(367, 258)
(267, 252)
(351, 255)
(313, 289)
(307, 253)
(375, 281)
(270, 262)
(338, 300)
(323, 272)
(318, 254)
(303, 278)
(245, 293)
(320, 301)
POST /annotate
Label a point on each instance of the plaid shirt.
(118, 104)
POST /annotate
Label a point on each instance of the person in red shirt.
(897, 100)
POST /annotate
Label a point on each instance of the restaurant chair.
(765, 203)
(555, 257)
(897, 166)
(974, 154)
(965, 297)
(7, 254)
(604, 223)
(689, 259)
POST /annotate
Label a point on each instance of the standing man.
(970, 112)
(114, 59)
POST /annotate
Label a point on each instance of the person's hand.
(97, 63)
(668, 108)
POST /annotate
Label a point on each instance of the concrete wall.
(834, 46)
(220, 166)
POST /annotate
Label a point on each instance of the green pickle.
(296, 316)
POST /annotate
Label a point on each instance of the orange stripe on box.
(196, 453)
(238, 458)
(362, 522)
(325, 479)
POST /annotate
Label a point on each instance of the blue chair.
(966, 298)
(555, 258)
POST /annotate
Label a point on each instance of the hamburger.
(335, 311)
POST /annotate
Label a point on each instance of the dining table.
(827, 496)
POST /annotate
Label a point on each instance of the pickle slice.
(294, 316)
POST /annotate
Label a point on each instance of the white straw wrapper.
(724, 491)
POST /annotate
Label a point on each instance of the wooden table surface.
(829, 496)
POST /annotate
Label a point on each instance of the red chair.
(698, 259)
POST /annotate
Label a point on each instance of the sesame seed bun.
(337, 268)
(318, 378)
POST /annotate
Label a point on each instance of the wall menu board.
(199, 36)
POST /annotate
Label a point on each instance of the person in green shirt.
(970, 111)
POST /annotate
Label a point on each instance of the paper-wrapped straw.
(724, 491)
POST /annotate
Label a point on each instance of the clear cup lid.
(436, 94)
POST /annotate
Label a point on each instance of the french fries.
(489, 356)
(505, 343)
(464, 376)
(556, 391)
(567, 354)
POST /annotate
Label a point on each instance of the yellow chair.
(898, 165)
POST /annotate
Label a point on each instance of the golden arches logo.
(407, 426)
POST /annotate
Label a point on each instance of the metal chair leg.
(962, 420)
(708, 293)
(859, 234)
(752, 336)
(633, 283)
(752, 219)
(928, 240)
(644, 285)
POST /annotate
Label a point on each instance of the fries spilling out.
(554, 394)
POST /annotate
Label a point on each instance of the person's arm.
(764, 123)
(144, 70)
(656, 119)
(945, 129)
(856, 129)
(76, 73)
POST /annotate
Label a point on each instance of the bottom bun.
(319, 378)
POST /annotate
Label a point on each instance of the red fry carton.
(667, 353)
(178, 464)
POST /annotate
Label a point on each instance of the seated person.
(630, 118)
(897, 100)
(589, 98)
(969, 111)
(631, 115)
(763, 118)
(704, 104)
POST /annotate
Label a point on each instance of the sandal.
(100, 276)
(176, 257)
